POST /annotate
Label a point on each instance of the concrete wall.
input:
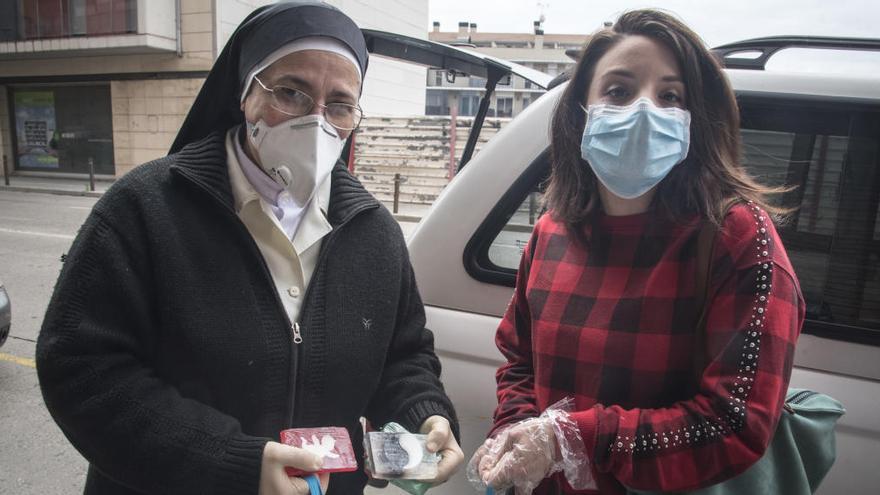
(146, 118)
(392, 88)
(157, 17)
(229, 15)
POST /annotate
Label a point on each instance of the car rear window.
(830, 156)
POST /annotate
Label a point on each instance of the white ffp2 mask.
(298, 153)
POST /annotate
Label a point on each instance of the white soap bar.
(400, 456)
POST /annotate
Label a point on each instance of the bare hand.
(442, 441)
(273, 478)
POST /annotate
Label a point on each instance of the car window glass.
(830, 158)
(508, 246)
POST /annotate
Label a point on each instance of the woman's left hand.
(442, 441)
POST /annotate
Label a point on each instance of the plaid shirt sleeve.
(516, 377)
(754, 317)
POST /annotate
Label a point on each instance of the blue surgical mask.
(632, 148)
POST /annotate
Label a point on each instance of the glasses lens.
(292, 101)
(343, 116)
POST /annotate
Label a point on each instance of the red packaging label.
(332, 443)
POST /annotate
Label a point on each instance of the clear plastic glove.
(525, 453)
(521, 456)
(274, 479)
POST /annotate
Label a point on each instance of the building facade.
(105, 84)
(543, 52)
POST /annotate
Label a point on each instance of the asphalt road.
(35, 230)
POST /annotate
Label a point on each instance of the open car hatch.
(454, 60)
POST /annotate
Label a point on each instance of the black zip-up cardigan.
(167, 358)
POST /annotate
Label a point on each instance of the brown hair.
(712, 174)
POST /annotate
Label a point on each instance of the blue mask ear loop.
(314, 484)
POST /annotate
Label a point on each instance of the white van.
(820, 133)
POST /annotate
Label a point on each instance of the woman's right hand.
(274, 479)
(477, 465)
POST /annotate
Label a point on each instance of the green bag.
(799, 456)
(802, 450)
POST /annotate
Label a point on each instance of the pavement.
(53, 185)
(406, 212)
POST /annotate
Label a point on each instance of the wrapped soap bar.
(331, 443)
(400, 455)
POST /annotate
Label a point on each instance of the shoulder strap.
(703, 272)
(705, 249)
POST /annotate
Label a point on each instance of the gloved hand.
(520, 456)
(525, 453)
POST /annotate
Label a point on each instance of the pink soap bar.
(332, 443)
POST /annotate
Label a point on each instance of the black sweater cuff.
(421, 411)
(239, 471)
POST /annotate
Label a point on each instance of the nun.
(242, 285)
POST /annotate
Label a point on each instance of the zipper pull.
(297, 336)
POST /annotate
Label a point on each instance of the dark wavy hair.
(712, 175)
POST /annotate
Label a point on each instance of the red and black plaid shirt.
(610, 322)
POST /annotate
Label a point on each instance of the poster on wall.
(35, 129)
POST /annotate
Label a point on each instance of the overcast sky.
(717, 22)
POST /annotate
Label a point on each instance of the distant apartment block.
(537, 50)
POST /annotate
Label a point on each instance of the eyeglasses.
(293, 102)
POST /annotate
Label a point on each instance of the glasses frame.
(277, 106)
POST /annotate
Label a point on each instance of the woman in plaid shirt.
(645, 144)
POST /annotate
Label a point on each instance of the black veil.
(217, 106)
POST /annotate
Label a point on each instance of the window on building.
(468, 104)
(504, 107)
(61, 128)
(78, 18)
(9, 21)
(438, 78)
(526, 101)
(437, 103)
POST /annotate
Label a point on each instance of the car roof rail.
(767, 47)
